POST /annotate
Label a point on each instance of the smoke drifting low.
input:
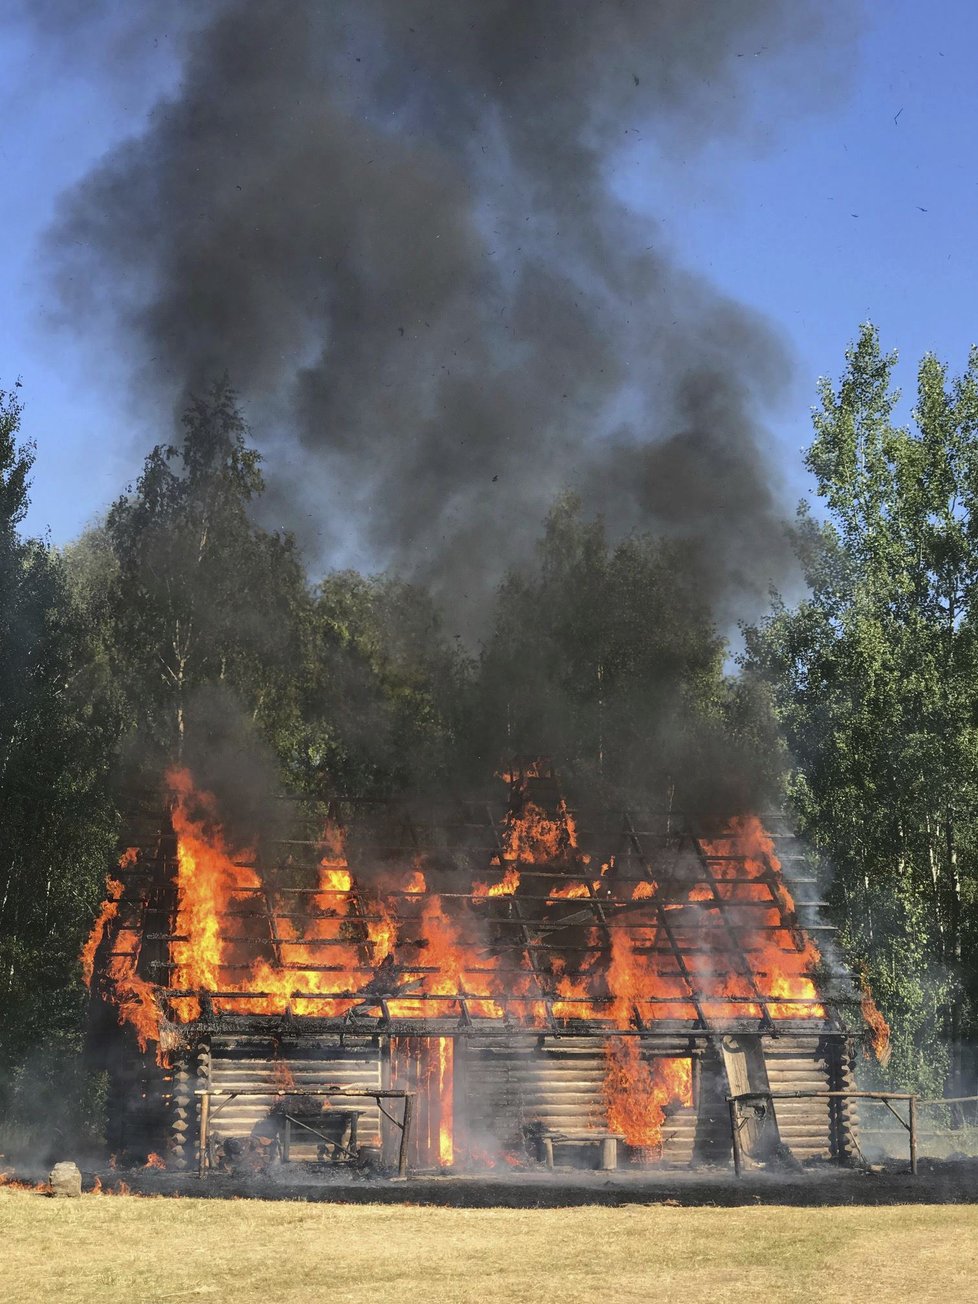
(391, 222)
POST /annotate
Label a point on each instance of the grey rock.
(65, 1179)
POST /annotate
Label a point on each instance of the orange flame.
(208, 879)
(446, 1141)
(876, 1024)
(133, 995)
(638, 1093)
(507, 887)
(786, 960)
(108, 912)
(17, 1184)
(255, 949)
(537, 838)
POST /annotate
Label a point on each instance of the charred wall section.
(504, 1093)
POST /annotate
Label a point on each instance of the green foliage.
(875, 679)
(193, 594)
(380, 692)
(58, 823)
(606, 658)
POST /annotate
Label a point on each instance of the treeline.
(179, 629)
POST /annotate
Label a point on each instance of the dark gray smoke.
(394, 223)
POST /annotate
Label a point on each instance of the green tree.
(56, 824)
(196, 597)
(875, 680)
(380, 692)
(606, 658)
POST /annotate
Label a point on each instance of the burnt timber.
(510, 1080)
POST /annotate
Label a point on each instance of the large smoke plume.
(396, 224)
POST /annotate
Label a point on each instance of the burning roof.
(521, 914)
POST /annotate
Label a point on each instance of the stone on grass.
(65, 1179)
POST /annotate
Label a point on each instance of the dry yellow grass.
(152, 1251)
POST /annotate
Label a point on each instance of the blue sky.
(865, 210)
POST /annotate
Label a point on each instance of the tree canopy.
(875, 678)
(180, 629)
(57, 827)
(198, 597)
(606, 656)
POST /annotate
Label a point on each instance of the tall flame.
(876, 1025)
(721, 945)
(637, 1092)
(446, 1076)
(133, 995)
(786, 959)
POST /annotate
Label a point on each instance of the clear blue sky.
(819, 231)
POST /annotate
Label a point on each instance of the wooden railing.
(737, 1123)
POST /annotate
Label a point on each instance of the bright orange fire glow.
(507, 887)
(638, 1091)
(446, 1068)
(876, 1025)
(537, 838)
(256, 951)
(133, 995)
(108, 912)
(786, 959)
(721, 944)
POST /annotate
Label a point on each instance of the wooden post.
(287, 1140)
(609, 1154)
(205, 1105)
(402, 1160)
(548, 1151)
(913, 1134)
(734, 1135)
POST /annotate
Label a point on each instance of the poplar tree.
(875, 681)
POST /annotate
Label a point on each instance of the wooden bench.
(608, 1141)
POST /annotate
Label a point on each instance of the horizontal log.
(306, 1081)
(591, 1108)
(584, 1099)
(258, 1064)
(811, 1072)
(557, 1078)
(592, 1083)
(270, 1068)
(801, 1136)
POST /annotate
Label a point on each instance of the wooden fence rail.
(910, 1122)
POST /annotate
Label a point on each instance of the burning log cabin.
(550, 985)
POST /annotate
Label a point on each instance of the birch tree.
(200, 595)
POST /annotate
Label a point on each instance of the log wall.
(516, 1087)
(253, 1062)
(812, 1129)
(506, 1087)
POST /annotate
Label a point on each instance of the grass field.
(151, 1251)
